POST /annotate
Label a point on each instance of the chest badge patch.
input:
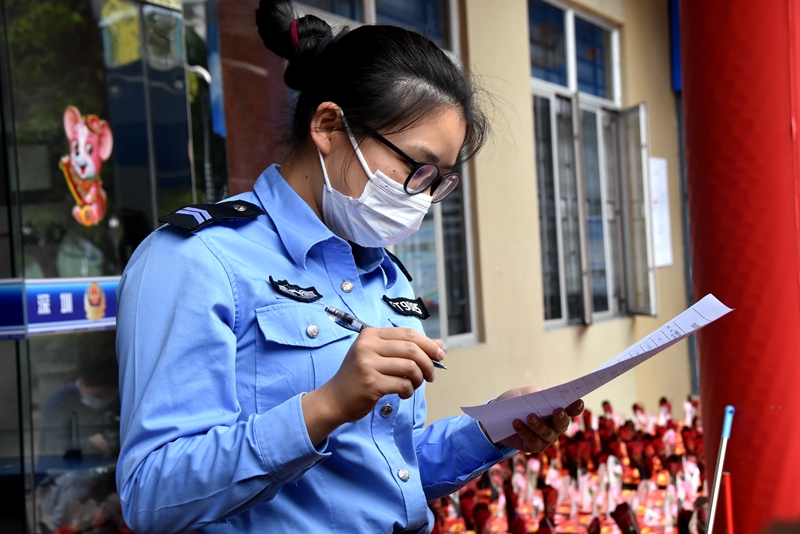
(410, 308)
(300, 294)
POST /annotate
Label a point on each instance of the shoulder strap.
(198, 216)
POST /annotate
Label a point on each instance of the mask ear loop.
(370, 174)
(420, 197)
(324, 170)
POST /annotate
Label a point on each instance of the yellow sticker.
(121, 33)
(171, 4)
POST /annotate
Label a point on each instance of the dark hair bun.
(274, 20)
(386, 78)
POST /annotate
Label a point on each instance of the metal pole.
(723, 444)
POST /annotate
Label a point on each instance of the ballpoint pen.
(359, 325)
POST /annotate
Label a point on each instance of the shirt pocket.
(297, 346)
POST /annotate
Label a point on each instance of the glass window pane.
(426, 17)
(68, 187)
(10, 450)
(120, 24)
(614, 207)
(206, 100)
(570, 222)
(9, 415)
(75, 414)
(548, 216)
(351, 9)
(6, 249)
(169, 108)
(548, 49)
(456, 266)
(418, 254)
(101, 133)
(641, 274)
(594, 210)
(593, 58)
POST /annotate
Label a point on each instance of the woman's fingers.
(531, 441)
(403, 387)
(401, 368)
(380, 362)
(575, 409)
(407, 351)
(540, 433)
(408, 347)
(430, 347)
(560, 420)
(547, 430)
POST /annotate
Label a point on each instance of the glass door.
(12, 489)
(96, 105)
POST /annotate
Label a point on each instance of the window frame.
(611, 202)
(471, 337)
(602, 153)
(454, 51)
(611, 261)
(570, 12)
(639, 255)
(371, 17)
(562, 270)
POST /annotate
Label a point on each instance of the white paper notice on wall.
(498, 417)
(659, 197)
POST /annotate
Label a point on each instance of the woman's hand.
(536, 434)
(380, 362)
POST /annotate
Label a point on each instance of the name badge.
(300, 294)
(410, 308)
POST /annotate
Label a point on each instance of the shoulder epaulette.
(195, 217)
(399, 264)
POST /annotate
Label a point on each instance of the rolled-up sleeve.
(186, 458)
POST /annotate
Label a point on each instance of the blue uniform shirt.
(213, 363)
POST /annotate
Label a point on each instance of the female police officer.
(244, 408)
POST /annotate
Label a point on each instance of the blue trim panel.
(12, 310)
(675, 45)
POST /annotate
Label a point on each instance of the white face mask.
(383, 215)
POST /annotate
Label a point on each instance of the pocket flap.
(293, 323)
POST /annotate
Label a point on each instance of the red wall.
(256, 100)
(740, 73)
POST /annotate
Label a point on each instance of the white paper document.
(497, 417)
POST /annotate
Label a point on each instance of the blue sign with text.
(70, 305)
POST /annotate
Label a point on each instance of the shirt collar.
(369, 259)
(300, 229)
(296, 223)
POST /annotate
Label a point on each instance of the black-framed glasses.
(423, 175)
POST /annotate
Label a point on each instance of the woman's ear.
(326, 121)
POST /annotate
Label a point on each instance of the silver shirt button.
(347, 286)
(403, 475)
(312, 331)
(239, 207)
(386, 410)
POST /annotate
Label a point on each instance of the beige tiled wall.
(516, 349)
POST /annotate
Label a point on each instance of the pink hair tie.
(295, 39)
